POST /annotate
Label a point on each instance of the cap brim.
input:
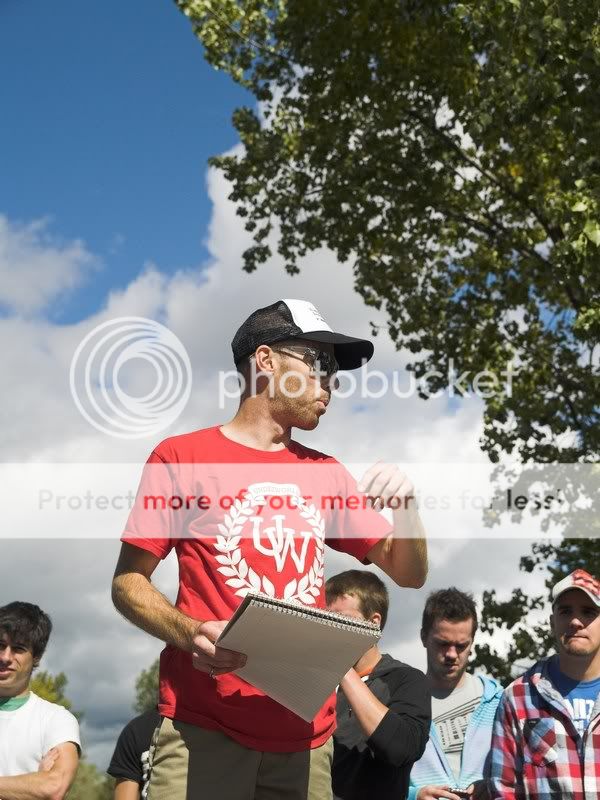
(593, 597)
(350, 352)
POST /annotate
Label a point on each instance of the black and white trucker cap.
(297, 319)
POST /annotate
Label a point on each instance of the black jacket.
(379, 767)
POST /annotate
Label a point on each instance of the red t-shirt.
(245, 520)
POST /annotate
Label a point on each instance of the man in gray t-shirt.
(456, 759)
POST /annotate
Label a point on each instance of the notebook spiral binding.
(330, 618)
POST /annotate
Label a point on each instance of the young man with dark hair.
(546, 741)
(456, 759)
(39, 741)
(257, 523)
(383, 706)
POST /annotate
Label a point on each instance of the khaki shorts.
(192, 763)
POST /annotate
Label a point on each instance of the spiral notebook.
(297, 655)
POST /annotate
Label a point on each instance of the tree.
(530, 640)
(89, 783)
(51, 687)
(450, 150)
(146, 689)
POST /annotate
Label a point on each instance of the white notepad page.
(295, 656)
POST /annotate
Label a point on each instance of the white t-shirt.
(28, 733)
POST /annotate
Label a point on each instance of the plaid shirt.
(537, 753)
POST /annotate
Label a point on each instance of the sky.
(110, 115)
(108, 210)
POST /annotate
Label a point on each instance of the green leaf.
(592, 231)
(146, 688)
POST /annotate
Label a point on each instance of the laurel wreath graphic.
(240, 575)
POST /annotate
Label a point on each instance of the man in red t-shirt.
(248, 509)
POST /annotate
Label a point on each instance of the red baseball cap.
(580, 579)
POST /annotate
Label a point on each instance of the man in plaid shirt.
(546, 740)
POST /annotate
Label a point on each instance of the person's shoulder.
(309, 453)
(399, 670)
(490, 692)
(185, 446)
(521, 685)
(143, 726)
(491, 686)
(51, 711)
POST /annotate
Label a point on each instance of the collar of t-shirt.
(13, 703)
(580, 696)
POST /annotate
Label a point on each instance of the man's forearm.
(402, 556)
(127, 790)
(141, 603)
(368, 710)
(403, 553)
(408, 547)
(33, 786)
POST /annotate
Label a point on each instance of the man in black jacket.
(383, 706)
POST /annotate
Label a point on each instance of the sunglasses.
(327, 365)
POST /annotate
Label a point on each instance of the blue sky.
(110, 113)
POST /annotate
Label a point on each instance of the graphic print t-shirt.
(580, 696)
(243, 520)
(451, 714)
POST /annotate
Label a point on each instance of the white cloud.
(35, 269)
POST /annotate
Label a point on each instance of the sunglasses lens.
(327, 363)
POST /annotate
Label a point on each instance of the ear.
(264, 359)
(376, 618)
(423, 637)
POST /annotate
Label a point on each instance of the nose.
(451, 654)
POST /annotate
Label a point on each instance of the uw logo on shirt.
(276, 537)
